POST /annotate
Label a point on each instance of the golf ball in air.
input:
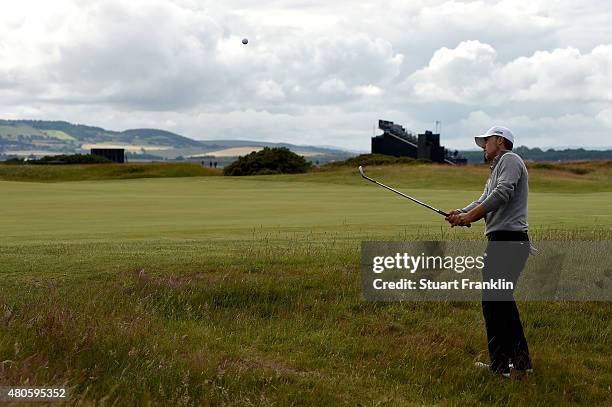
(245, 41)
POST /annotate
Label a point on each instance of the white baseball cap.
(495, 131)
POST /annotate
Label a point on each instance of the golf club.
(404, 195)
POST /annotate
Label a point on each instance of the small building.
(398, 142)
(114, 154)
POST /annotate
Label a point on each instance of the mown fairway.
(245, 291)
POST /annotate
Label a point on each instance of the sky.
(314, 72)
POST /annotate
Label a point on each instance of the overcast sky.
(314, 72)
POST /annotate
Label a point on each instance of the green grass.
(246, 291)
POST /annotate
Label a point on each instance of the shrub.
(542, 166)
(268, 161)
(579, 171)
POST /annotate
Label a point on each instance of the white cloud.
(462, 74)
(331, 86)
(313, 71)
(470, 73)
(605, 118)
(270, 90)
(560, 75)
(368, 90)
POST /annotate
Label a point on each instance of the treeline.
(60, 159)
(537, 154)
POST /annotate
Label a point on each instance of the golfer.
(503, 205)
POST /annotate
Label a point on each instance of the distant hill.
(60, 136)
(40, 137)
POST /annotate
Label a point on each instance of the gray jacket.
(505, 195)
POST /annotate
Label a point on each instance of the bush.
(542, 166)
(268, 161)
(579, 171)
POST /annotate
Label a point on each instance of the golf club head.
(361, 171)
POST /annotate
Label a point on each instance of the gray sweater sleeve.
(476, 202)
(510, 171)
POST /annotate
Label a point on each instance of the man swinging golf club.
(503, 205)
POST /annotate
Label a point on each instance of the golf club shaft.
(404, 195)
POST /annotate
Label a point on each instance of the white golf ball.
(245, 41)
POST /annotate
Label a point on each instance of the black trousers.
(506, 340)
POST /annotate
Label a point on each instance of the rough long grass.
(266, 321)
